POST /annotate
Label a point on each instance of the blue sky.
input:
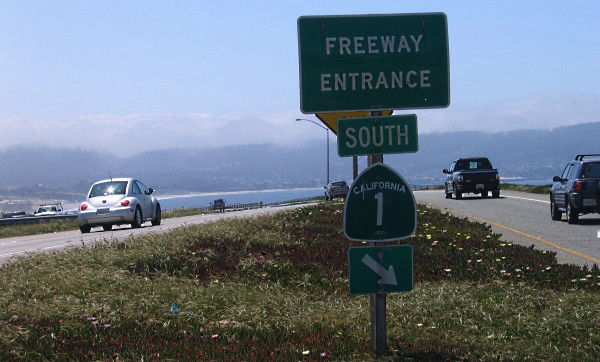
(229, 69)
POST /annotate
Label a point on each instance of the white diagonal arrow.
(387, 276)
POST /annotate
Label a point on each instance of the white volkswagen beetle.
(118, 201)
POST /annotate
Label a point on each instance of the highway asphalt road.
(524, 218)
(14, 247)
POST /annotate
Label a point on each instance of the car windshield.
(474, 164)
(109, 188)
(591, 170)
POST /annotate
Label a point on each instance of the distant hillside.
(533, 154)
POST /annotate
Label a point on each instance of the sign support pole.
(377, 302)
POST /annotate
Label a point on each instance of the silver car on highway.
(118, 201)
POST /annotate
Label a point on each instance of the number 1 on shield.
(379, 198)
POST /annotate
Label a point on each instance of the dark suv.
(577, 190)
(336, 189)
(471, 175)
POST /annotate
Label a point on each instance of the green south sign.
(373, 62)
(380, 269)
(380, 206)
(364, 136)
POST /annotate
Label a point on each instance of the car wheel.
(484, 194)
(458, 195)
(107, 227)
(157, 219)
(572, 215)
(496, 194)
(85, 229)
(137, 218)
(555, 214)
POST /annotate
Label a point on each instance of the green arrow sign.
(364, 136)
(382, 269)
(380, 206)
(373, 62)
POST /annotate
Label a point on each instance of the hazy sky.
(135, 75)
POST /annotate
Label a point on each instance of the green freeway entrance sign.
(382, 269)
(364, 136)
(373, 62)
(380, 206)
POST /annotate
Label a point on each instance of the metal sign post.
(362, 63)
(380, 207)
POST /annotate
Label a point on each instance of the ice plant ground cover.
(275, 287)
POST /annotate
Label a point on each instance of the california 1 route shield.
(380, 206)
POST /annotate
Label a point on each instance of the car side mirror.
(556, 179)
(150, 190)
(445, 170)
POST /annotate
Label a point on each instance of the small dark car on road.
(336, 189)
(577, 190)
(471, 175)
(219, 204)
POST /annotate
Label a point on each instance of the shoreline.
(196, 194)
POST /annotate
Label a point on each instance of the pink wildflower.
(107, 325)
(215, 336)
(323, 354)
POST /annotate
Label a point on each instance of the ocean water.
(239, 197)
(275, 196)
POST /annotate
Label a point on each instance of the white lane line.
(29, 250)
(525, 198)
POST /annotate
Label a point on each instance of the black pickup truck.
(471, 175)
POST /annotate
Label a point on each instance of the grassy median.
(539, 189)
(275, 287)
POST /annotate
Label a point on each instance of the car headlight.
(459, 178)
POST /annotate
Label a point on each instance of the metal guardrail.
(415, 187)
(34, 219)
(233, 207)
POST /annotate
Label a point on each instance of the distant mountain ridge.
(532, 154)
